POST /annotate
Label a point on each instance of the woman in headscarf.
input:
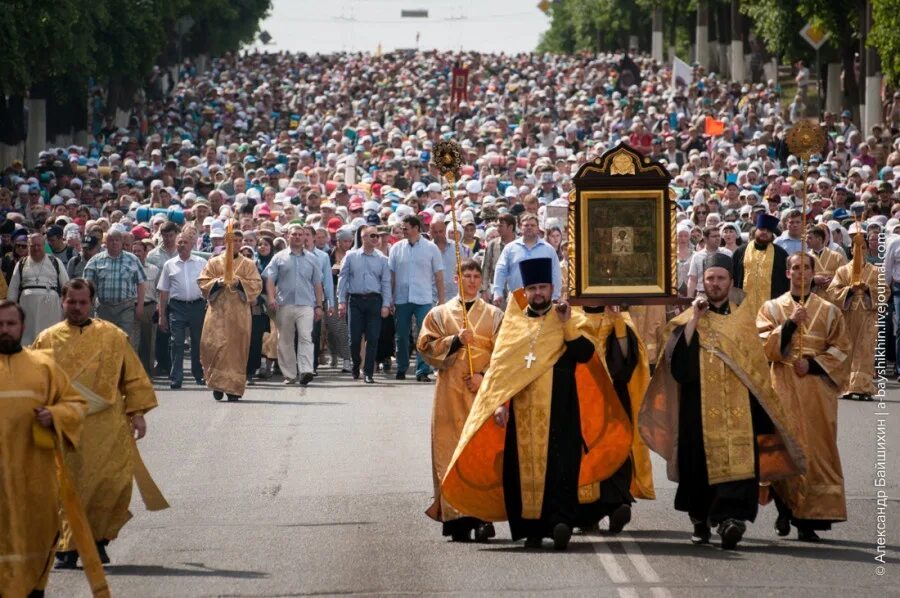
(263, 335)
(336, 326)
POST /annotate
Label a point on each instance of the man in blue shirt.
(328, 286)
(364, 288)
(294, 288)
(415, 262)
(791, 239)
(529, 246)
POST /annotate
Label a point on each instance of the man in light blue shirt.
(415, 262)
(529, 246)
(791, 239)
(438, 230)
(364, 289)
(328, 286)
(294, 288)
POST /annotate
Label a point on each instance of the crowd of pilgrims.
(347, 259)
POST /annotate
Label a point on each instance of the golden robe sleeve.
(251, 282)
(67, 407)
(769, 328)
(434, 342)
(134, 384)
(212, 271)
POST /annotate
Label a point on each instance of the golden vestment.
(226, 329)
(600, 326)
(860, 309)
(732, 364)
(647, 323)
(29, 490)
(810, 401)
(757, 275)
(105, 370)
(473, 483)
(827, 264)
(452, 399)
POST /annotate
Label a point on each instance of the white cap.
(473, 187)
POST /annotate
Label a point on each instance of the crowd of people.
(278, 214)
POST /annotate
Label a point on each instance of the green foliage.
(577, 25)
(885, 39)
(45, 43)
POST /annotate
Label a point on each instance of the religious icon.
(620, 229)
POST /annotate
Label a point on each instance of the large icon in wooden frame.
(621, 223)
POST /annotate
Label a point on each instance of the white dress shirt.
(179, 278)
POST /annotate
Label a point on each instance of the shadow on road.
(200, 570)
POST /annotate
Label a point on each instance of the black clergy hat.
(719, 260)
(767, 222)
(538, 270)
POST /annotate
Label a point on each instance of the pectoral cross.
(529, 359)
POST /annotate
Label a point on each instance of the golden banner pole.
(804, 139)
(448, 159)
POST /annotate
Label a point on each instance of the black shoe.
(36, 594)
(233, 398)
(590, 528)
(465, 536)
(619, 519)
(101, 551)
(808, 535)
(533, 542)
(783, 525)
(701, 534)
(731, 531)
(175, 385)
(305, 379)
(218, 395)
(484, 532)
(67, 559)
(369, 380)
(315, 373)
(400, 376)
(865, 397)
(423, 378)
(562, 533)
(355, 374)
(386, 366)
(201, 382)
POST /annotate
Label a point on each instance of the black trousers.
(365, 320)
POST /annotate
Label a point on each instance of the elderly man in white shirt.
(181, 306)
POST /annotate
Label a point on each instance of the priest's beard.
(9, 344)
(539, 305)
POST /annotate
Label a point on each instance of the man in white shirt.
(712, 239)
(36, 284)
(181, 306)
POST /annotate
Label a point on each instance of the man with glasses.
(415, 262)
(364, 291)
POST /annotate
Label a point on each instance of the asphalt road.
(322, 490)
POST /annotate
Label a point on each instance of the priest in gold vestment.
(808, 348)
(827, 260)
(711, 413)
(99, 360)
(36, 393)
(231, 286)
(545, 424)
(758, 265)
(854, 290)
(622, 352)
(444, 343)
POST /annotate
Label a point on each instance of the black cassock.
(695, 495)
(615, 490)
(565, 447)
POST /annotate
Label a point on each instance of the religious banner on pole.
(459, 90)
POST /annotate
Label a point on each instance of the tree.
(884, 38)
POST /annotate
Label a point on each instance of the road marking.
(640, 562)
(615, 572)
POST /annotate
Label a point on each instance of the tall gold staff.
(446, 157)
(229, 253)
(804, 139)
